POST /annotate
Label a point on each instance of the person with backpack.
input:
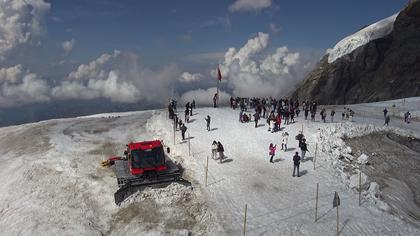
(407, 117)
(285, 139)
(299, 137)
(183, 130)
(296, 163)
(208, 122)
(272, 151)
(214, 150)
(220, 150)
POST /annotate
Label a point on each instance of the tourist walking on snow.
(183, 130)
(214, 150)
(296, 163)
(208, 122)
(256, 118)
(332, 115)
(385, 111)
(407, 117)
(272, 151)
(303, 148)
(220, 150)
(285, 139)
(387, 119)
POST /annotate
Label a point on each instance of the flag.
(219, 74)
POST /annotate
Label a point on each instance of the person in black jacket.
(296, 163)
(256, 118)
(183, 130)
(208, 122)
(303, 147)
(220, 150)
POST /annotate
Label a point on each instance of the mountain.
(379, 62)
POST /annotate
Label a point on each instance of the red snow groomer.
(143, 164)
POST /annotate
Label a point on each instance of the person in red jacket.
(272, 149)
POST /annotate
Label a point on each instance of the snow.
(363, 159)
(55, 186)
(374, 31)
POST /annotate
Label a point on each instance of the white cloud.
(249, 5)
(21, 21)
(68, 45)
(252, 71)
(120, 78)
(18, 87)
(204, 97)
(274, 29)
(187, 77)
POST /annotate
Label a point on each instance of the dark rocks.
(383, 69)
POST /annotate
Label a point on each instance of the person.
(256, 118)
(332, 115)
(215, 100)
(407, 117)
(323, 115)
(269, 123)
(303, 147)
(240, 116)
(387, 119)
(191, 109)
(285, 139)
(214, 150)
(385, 111)
(272, 149)
(186, 114)
(220, 150)
(179, 123)
(208, 122)
(193, 104)
(306, 113)
(183, 130)
(296, 163)
(299, 137)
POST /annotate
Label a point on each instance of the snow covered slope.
(362, 37)
(53, 184)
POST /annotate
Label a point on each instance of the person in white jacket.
(214, 150)
(285, 139)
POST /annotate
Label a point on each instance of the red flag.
(219, 74)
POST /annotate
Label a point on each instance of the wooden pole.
(207, 169)
(316, 150)
(360, 188)
(338, 232)
(189, 144)
(246, 209)
(316, 202)
(174, 129)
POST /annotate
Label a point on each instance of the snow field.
(278, 204)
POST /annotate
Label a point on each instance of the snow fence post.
(316, 202)
(360, 187)
(174, 128)
(189, 144)
(316, 150)
(246, 210)
(207, 168)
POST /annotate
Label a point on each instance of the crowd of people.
(277, 113)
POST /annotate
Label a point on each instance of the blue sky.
(167, 31)
(132, 54)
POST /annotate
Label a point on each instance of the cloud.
(249, 5)
(204, 97)
(218, 20)
(205, 57)
(274, 29)
(120, 78)
(187, 77)
(253, 70)
(68, 45)
(21, 22)
(18, 87)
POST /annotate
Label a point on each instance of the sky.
(130, 51)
